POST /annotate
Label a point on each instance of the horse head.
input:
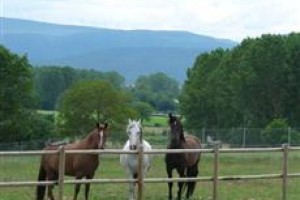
(176, 134)
(98, 136)
(134, 131)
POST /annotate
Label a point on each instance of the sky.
(230, 19)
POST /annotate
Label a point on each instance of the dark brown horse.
(186, 164)
(77, 165)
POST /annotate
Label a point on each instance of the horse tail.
(191, 172)
(40, 191)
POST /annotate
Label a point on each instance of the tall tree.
(249, 85)
(51, 82)
(16, 96)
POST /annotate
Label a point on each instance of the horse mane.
(182, 138)
(90, 137)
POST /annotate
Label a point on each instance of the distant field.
(47, 112)
(17, 168)
(158, 121)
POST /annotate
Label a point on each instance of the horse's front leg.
(131, 190)
(170, 184)
(77, 187)
(131, 187)
(50, 192)
(180, 184)
(87, 186)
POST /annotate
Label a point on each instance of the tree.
(205, 93)
(276, 132)
(144, 110)
(158, 90)
(92, 101)
(249, 85)
(114, 78)
(18, 118)
(50, 82)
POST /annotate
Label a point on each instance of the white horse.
(129, 161)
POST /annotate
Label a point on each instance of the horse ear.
(140, 121)
(129, 121)
(98, 125)
(180, 118)
(171, 118)
(105, 125)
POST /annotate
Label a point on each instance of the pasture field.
(26, 168)
(161, 121)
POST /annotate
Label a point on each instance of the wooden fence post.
(61, 173)
(284, 171)
(140, 176)
(216, 172)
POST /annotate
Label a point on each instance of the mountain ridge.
(129, 52)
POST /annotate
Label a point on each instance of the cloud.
(234, 19)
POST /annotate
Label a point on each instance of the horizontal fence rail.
(215, 178)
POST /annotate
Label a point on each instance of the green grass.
(26, 169)
(47, 112)
(158, 121)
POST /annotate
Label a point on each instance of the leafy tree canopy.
(158, 90)
(88, 102)
(51, 81)
(249, 85)
(18, 120)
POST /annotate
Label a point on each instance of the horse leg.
(131, 191)
(50, 193)
(52, 177)
(135, 175)
(191, 172)
(77, 187)
(180, 184)
(87, 186)
(170, 184)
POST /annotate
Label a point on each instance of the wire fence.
(158, 136)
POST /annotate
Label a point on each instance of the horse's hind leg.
(191, 172)
(52, 177)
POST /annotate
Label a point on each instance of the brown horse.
(77, 165)
(186, 164)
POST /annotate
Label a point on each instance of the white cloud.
(234, 19)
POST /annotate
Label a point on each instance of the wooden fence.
(285, 149)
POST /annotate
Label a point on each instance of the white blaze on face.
(134, 134)
(100, 143)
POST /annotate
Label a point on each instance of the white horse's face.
(134, 130)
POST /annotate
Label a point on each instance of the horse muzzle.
(133, 147)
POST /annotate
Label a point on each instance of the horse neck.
(180, 144)
(90, 142)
